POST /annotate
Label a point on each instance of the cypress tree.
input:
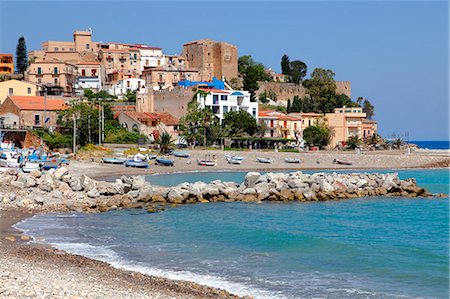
(21, 56)
(285, 65)
(288, 108)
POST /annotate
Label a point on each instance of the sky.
(395, 53)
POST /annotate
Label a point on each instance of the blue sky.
(394, 53)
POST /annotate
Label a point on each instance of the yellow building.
(16, 87)
(280, 125)
(349, 121)
(6, 64)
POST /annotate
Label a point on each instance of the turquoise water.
(372, 248)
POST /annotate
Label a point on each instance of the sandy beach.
(28, 270)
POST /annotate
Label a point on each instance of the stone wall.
(173, 101)
(285, 91)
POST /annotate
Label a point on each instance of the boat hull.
(164, 162)
(136, 164)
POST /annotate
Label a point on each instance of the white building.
(120, 88)
(220, 101)
(151, 56)
(92, 83)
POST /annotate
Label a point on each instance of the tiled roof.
(89, 63)
(277, 115)
(166, 118)
(37, 103)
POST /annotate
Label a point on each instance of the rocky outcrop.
(58, 190)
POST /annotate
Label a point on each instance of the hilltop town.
(146, 90)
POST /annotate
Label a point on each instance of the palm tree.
(353, 142)
(397, 143)
(164, 141)
(374, 140)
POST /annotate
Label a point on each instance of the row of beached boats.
(27, 160)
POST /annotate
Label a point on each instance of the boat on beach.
(264, 160)
(30, 166)
(238, 158)
(341, 162)
(114, 160)
(180, 154)
(206, 163)
(292, 160)
(10, 160)
(49, 164)
(164, 162)
(234, 161)
(136, 163)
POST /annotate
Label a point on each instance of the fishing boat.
(30, 166)
(234, 161)
(114, 160)
(292, 160)
(180, 154)
(238, 158)
(136, 163)
(264, 160)
(152, 157)
(164, 162)
(9, 159)
(341, 162)
(49, 164)
(206, 162)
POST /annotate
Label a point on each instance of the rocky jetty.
(58, 190)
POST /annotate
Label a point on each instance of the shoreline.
(44, 259)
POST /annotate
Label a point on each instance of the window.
(55, 70)
(135, 56)
(295, 126)
(128, 84)
(309, 122)
(56, 81)
(271, 133)
(159, 62)
(11, 91)
(37, 119)
(224, 98)
(215, 99)
(285, 123)
(87, 46)
(62, 49)
(29, 90)
(146, 62)
(39, 80)
(225, 109)
(83, 73)
(39, 71)
(71, 49)
(254, 112)
(56, 49)
(93, 73)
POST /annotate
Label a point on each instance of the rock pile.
(58, 190)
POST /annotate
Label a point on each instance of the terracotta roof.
(89, 63)
(37, 103)
(277, 115)
(311, 114)
(166, 118)
(139, 115)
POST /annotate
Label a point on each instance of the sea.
(441, 144)
(374, 247)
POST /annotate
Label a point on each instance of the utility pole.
(89, 126)
(45, 107)
(74, 134)
(103, 123)
(99, 122)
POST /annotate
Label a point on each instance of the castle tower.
(145, 102)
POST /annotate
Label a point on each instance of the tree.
(297, 71)
(359, 101)
(321, 88)
(368, 109)
(353, 142)
(237, 124)
(21, 56)
(318, 135)
(131, 95)
(263, 97)
(165, 141)
(285, 65)
(296, 105)
(343, 100)
(288, 107)
(251, 73)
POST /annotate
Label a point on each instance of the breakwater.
(59, 191)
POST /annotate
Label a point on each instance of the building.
(281, 78)
(120, 88)
(55, 73)
(30, 111)
(349, 121)
(280, 125)
(309, 118)
(150, 56)
(221, 101)
(146, 123)
(167, 77)
(212, 59)
(6, 64)
(19, 88)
